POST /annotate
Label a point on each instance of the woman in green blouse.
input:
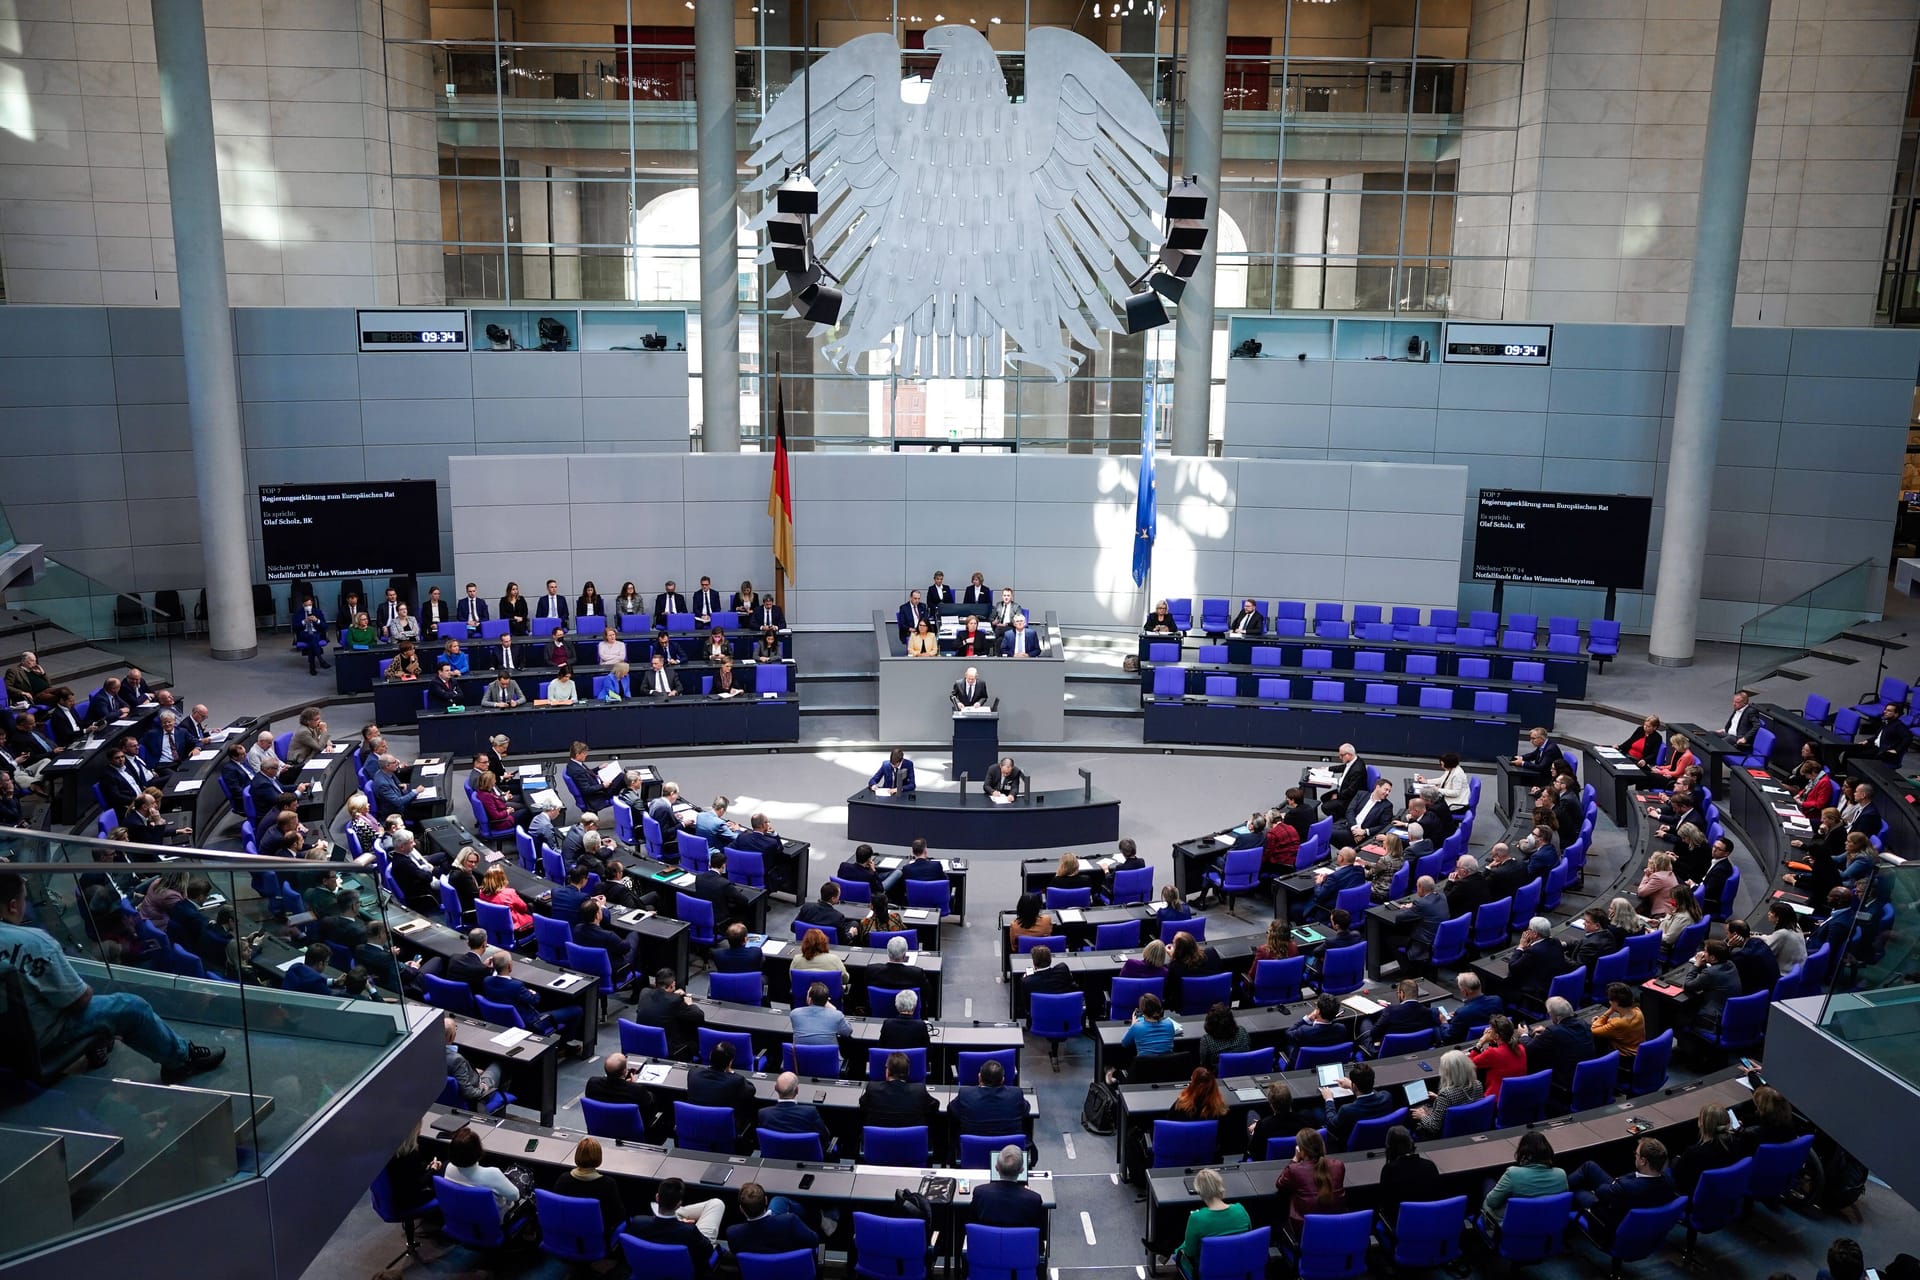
(1215, 1217)
(361, 634)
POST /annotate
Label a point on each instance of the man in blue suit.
(1006, 1201)
(472, 610)
(759, 837)
(552, 604)
(265, 788)
(234, 775)
(502, 987)
(990, 1109)
(1407, 1015)
(310, 635)
(1321, 1026)
(1347, 873)
(894, 774)
(772, 1225)
(910, 615)
(389, 795)
(106, 704)
(1367, 1103)
(593, 796)
(920, 866)
(1476, 1009)
(166, 734)
(789, 1115)
(309, 974)
(1424, 916)
(1608, 1200)
(694, 1227)
(1017, 641)
(1370, 814)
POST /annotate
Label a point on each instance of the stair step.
(839, 708)
(77, 663)
(1875, 641)
(1102, 677)
(1118, 713)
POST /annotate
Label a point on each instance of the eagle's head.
(962, 49)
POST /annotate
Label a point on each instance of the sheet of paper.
(1072, 915)
(511, 1037)
(190, 786)
(203, 755)
(429, 793)
(433, 770)
(528, 771)
(773, 946)
(654, 1073)
(566, 980)
(285, 965)
(338, 749)
(919, 915)
(1609, 753)
(1362, 1005)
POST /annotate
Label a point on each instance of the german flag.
(780, 489)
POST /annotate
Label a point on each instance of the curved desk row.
(403, 701)
(687, 720)
(1567, 672)
(640, 1166)
(1532, 701)
(968, 820)
(1465, 1164)
(771, 1028)
(358, 670)
(1295, 723)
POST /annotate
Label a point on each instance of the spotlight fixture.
(798, 195)
(1176, 260)
(814, 300)
(790, 241)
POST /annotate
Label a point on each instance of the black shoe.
(312, 670)
(200, 1058)
(325, 665)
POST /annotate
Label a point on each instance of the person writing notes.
(1003, 781)
(969, 690)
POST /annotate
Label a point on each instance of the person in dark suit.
(1608, 1200)
(1713, 978)
(859, 869)
(1248, 622)
(1891, 737)
(1505, 873)
(1567, 810)
(1753, 959)
(706, 601)
(1019, 640)
(472, 610)
(1367, 1103)
(718, 1085)
(1349, 782)
(899, 1103)
(922, 867)
(1741, 720)
(310, 635)
(1367, 816)
(1347, 872)
(970, 690)
(309, 973)
(1467, 887)
(939, 593)
(910, 615)
(1423, 915)
(120, 785)
(586, 780)
(991, 1108)
(659, 680)
(1004, 778)
(1406, 1014)
(1046, 977)
(894, 774)
(1601, 939)
(1005, 1202)
(901, 1030)
(1534, 760)
(513, 610)
(668, 601)
(590, 930)
(770, 1226)
(1867, 821)
(736, 956)
(790, 1115)
(1563, 1044)
(896, 974)
(433, 612)
(444, 691)
(767, 614)
(666, 1006)
(694, 1227)
(822, 913)
(106, 704)
(1321, 1025)
(1713, 886)
(1476, 1009)
(977, 591)
(470, 966)
(1537, 962)
(615, 1083)
(502, 987)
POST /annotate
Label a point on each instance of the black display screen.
(415, 337)
(376, 528)
(1562, 539)
(1518, 350)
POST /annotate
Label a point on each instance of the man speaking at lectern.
(970, 690)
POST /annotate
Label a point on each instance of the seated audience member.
(1221, 1033)
(901, 1029)
(1716, 1148)
(1459, 1085)
(1312, 1182)
(1531, 1174)
(1477, 1007)
(1151, 1032)
(1600, 938)
(790, 1115)
(474, 1085)
(1537, 961)
(823, 914)
(896, 973)
(860, 868)
(1160, 621)
(405, 664)
(585, 1182)
(1150, 963)
(1607, 1200)
(1561, 1044)
(1752, 959)
(817, 1021)
(462, 1165)
(1497, 1054)
(718, 1085)
(611, 648)
(1276, 1122)
(897, 1102)
(1621, 1025)
(772, 1224)
(1320, 1026)
(1045, 977)
(694, 1227)
(1367, 1103)
(1407, 1015)
(734, 955)
(505, 691)
(666, 1006)
(590, 931)
(1005, 1201)
(990, 1108)
(1029, 920)
(502, 987)
(1788, 944)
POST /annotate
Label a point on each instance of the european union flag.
(1146, 516)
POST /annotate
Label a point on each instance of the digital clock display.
(421, 337)
(413, 330)
(1525, 350)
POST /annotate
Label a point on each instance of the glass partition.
(1792, 627)
(86, 609)
(1874, 1001)
(213, 1067)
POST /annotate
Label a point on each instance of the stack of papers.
(1609, 753)
(190, 786)
(773, 946)
(654, 1073)
(511, 1037)
(203, 755)
(433, 770)
(922, 915)
(1362, 1005)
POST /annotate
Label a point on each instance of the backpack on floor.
(1100, 1113)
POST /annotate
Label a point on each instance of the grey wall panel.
(1311, 484)
(1831, 493)
(82, 430)
(528, 420)
(1853, 353)
(1398, 429)
(1508, 433)
(53, 331)
(1270, 577)
(1392, 581)
(743, 523)
(420, 422)
(1387, 534)
(150, 379)
(1270, 380)
(1629, 391)
(1597, 475)
(1293, 426)
(1498, 470)
(1755, 395)
(1283, 531)
(1486, 386)
(306, 466)
(295, 330)
(299, 377)
(1610, 346)
(636, 421)
(500, 528)
(1806, 446)
(644, 524)
(154, 428)
(49, 380)
(101, 527)
(988, 476)
(631, 373)
(1734, 533)
(723, 478)
(294, 424)
(1846, 400)
(1742, 444)
(1828, 541)
(40, 478)
(1753, 350)
(176, 565)
(1593, 435)
(483, 482)
(161, 475)
(143, 331)
(166, 521)
(526, 373)
(407, 462)
(1385, 382)
(410, 375)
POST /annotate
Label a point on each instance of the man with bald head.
(616, 1084)
(969, 690)
(790, 1115)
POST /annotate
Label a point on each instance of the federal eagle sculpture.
(952, 220)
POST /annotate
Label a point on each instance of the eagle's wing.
(857, 118)
(1091, 143)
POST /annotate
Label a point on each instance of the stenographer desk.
(641, 1166)
(1791, 730)
(916, 693)
(686, 720)
(968, 820)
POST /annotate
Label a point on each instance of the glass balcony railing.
(1874, 1002)
(189, 951)
(1792, 627)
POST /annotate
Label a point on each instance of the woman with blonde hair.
(1459, 1084)
(1657, 884)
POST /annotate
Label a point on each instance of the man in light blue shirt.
(713, 824)
(817, 1021)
